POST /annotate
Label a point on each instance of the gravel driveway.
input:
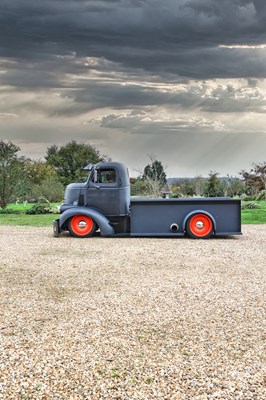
(132, 318)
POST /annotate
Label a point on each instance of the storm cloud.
(172, 38)
(124, 74)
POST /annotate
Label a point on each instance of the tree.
(11, 171)
(154, 177)
(50, 188)
(255, 179)
(138, 187)
(199, 184)
(69, 160)
(38, 171)
(214, 187)
(235, 186)
(183, 187)
(155, 171)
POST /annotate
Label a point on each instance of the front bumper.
(56, 227)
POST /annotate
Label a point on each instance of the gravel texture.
(132, 318)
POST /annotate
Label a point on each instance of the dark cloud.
(173, 38)
(188, 71)
(221, 98)
(85, 95)
(200, 96)
(142, 124)
(28, 78)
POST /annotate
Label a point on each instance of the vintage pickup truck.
(103, 204)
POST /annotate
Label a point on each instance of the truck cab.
(106, 191)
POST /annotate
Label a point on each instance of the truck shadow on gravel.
(97, 235)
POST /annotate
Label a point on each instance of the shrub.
(50, 190)
(261, 195)
(40, 208)
(9, 211)
(250, 206)
(244, 197)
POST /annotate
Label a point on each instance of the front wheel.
(199, 226)
(81, 226)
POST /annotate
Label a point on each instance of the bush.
(9, 211)
(261, 195)
(250, 206)
(245, 197)
(40, 208)
(50, 190)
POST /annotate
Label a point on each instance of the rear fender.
(199, 212)
(100, 219)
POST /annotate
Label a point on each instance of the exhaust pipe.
(174, 228)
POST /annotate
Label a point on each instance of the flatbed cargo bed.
(154, 217)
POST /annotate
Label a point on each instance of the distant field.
(18, 216)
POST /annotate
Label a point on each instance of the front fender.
(104, 224)
(199, 212)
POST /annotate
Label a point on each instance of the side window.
(106, 175)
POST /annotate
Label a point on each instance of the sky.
(182, 81)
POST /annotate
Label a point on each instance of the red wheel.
(81, 226)
(199, 226)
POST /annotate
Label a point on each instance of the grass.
(19, 208)
(18, 216)
(30, 220)
(256, 216)
(15, 215)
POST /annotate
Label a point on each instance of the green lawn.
(30, 220)
(18, 216)
(256, 216)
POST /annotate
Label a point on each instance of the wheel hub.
(82, 224)
(199, 224)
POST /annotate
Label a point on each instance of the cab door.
(103, 191)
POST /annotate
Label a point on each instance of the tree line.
(249, 185)
(24, 179)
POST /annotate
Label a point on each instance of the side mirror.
(95, 179)
(95, 176)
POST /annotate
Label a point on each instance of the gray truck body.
(106, 201)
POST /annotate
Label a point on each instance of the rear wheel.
(199, 226)
(81, 226)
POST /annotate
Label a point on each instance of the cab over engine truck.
(103, 203)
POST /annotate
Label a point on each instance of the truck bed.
(153, 217)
